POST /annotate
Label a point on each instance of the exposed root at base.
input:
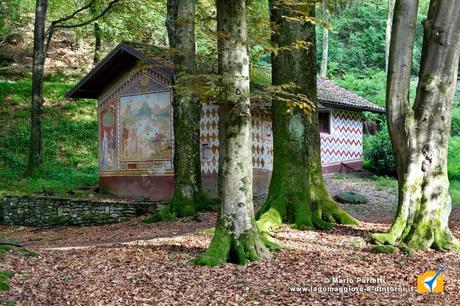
(179, 207)
(225, 247)
(421, 239)
(303, 216)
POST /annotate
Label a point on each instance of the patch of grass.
(4, 280)
(26, 252)
(209, 231)
(69, 135)
(163, 214)
(386, 183)
(4, 249)
(20, 251)
(387, 249)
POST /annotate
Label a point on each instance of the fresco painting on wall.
(145, 127)
(108, 160)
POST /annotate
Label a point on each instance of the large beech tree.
(420, 133)
(236, 237)
(297, 192)
(188, 195)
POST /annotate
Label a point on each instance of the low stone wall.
(48, 211)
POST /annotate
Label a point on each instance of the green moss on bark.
(302, 213)
(416, 228)
(179, 207)
(226, 247)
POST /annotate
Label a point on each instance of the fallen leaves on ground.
(137, 264)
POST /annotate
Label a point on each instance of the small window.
(206, 153)
(324, 118)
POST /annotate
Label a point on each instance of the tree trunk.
(325, 53)
(391, 4)
(35, 165)
(97, 35)
(97, 43)
(297, 192)
(236, 238)
(188, 196)
(420, 134)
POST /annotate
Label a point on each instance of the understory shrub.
(379, 154)
(454, 158)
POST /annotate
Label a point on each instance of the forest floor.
(132, 263)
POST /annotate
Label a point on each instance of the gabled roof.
(127, 54)
(120, 60)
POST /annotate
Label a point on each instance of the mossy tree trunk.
(297, 192)
(188, 195)
(420, 134)
(236, 238)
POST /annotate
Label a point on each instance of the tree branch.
(400, 117)
(81, 24)
(56, 24)
(63, 19)
(399, 70)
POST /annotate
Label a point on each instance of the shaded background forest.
(356, 62)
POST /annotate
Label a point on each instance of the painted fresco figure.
(124, 140)
(106, 160)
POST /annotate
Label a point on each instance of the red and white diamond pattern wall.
(209, 139)
(262, 142)
(345, 143)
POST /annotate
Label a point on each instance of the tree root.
(179, 207)
(420, 236)
(225, 247)
(302, 215)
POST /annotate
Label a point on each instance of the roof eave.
(76, 91)
(336, 104)
(72, 92)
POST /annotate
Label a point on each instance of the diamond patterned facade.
(343, 144)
